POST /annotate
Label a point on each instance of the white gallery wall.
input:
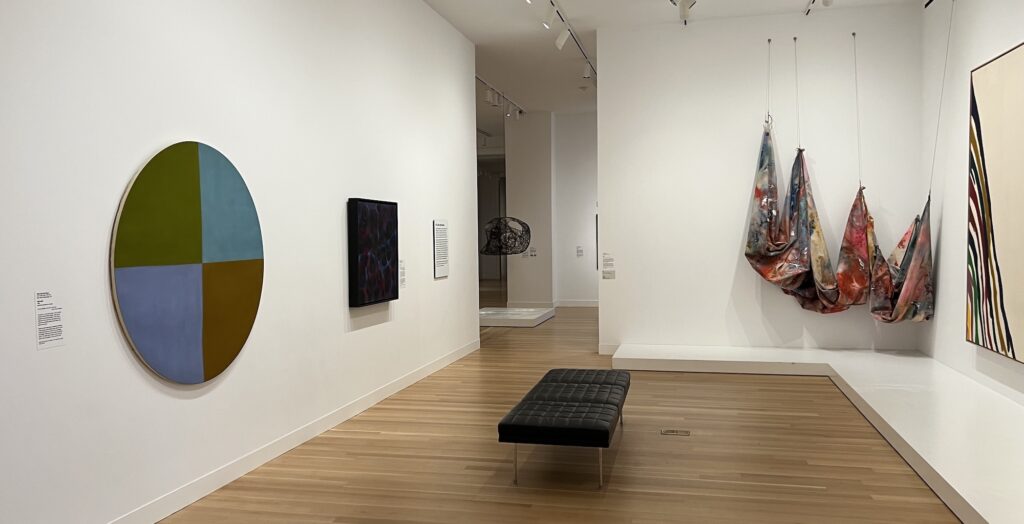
(680, 115)
(575, 209)
(529, 196)
(313, 105)
(981, 31)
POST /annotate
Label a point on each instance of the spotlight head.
(684, 9)
(562, 38)
(587, 70)
(549, 19)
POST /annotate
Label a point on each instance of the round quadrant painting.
(186, 263)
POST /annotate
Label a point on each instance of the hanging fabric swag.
(786, 245)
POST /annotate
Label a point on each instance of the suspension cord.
(856, 87)
(768, 104)
(796, 76)
(942, 94)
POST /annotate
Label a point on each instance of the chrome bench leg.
(515, 464)
(600, 468)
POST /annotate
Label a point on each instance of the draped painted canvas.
(785, 243)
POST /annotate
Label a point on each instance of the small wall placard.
(441, 263)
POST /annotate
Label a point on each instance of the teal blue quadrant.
(231, 228)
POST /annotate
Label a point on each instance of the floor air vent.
(675, 433)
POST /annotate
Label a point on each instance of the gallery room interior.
(325, 261)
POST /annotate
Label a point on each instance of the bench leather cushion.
(588, 393)
(560, 423)
(609, 377)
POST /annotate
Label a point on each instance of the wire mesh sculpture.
(506, 236)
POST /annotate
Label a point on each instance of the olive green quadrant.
(231, 297)
(161, 219)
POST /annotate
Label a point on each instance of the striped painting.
(995, 292)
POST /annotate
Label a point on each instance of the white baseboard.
(165, 505)
(530, 304)
(607, 349)
(576, 303)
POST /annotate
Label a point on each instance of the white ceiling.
(518, 56)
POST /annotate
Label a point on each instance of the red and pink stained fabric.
(787, 248)
(901, 287)
(855, 255)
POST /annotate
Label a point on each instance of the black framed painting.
(372, 252)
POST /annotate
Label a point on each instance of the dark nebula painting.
(372, 252)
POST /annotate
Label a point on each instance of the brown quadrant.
(231, 297)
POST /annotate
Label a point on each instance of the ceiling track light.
(684, 9)
(810, 5)
(588, 70)
(549, 19)
(563, 37)
(498, 99)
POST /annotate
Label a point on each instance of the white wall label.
(607, 266)
(401, 274)
(49, 321)
(579, 251)
(441, 265)
(533, 251)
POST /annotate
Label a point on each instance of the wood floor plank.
(762, 448)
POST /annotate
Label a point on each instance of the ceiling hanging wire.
(856, 90)
(942, 94)
(768, 103)
(796, 78)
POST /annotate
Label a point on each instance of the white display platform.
(961, 437)
(514, 316)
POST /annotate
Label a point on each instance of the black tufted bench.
(568, 407)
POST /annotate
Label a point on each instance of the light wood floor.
(762, 449)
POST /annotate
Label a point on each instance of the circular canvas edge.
(113, 280)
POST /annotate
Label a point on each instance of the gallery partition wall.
(309, 115)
